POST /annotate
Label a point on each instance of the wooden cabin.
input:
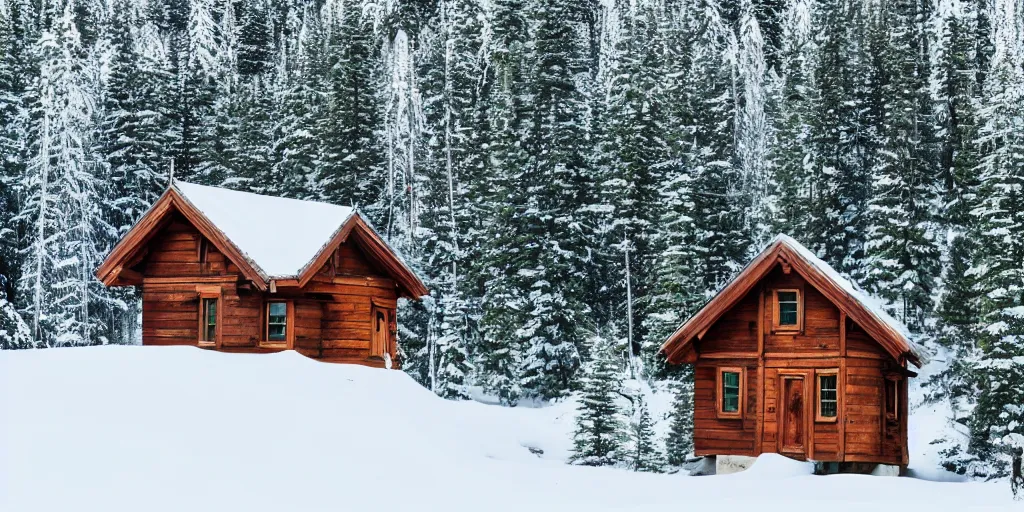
(792, 358)
(240, 272)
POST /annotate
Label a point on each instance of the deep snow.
(176, 428)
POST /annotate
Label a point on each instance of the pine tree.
(679, 443)
(1000, 215)
(255, 38)
(61, 211)
(754, 133)
(676, 289)
(901, 246)
(957, 312)
(298, 110)
(841, 137)
(644, 453)
(794, 172)
(715, 190)
(558, 216)
(11, 161)
(599, 436)
(134, 129)
(351, 151)
(499, 355)
(637, 153)
(197, 69)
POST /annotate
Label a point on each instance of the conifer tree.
(753, 131)
(61, 212)
(11, 161)
(644, 453)
(296, 145)
(679, 443)
(1001, 218)
(499, 355)
(637, 153)
(838, 188)
(134, 129)
(957, 313)
(794, 172)
(255, 38)
(599, 436)
(715, 190)
(349, 129)
(676, 289)
(558, 217)
(901, 246)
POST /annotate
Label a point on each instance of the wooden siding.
(715, 436)
(330, 317)
(735, 333)
(828, 341)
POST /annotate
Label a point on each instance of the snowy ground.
(175, 428)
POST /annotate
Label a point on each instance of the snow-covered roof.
(279, 236)
(867, 303)
(870, 302)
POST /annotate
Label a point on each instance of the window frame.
(289, 325)
(818, 416)
(777, 312)
(204, 298)
(893, 401)
(720, 392)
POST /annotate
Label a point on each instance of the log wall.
(330, 318)
(745, 337)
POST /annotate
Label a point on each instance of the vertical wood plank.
(809, 406)
(291, 324)
(759, 430)
(841, 386)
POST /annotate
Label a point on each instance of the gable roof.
(269, 238)
(862, 308)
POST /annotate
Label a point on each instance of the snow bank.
(773, 466)
(176, 428)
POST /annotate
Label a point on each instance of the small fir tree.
(679, 443)
(645, 455)
(599, 436)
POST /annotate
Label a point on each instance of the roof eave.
(895, 343)
(145, 228)
(404, 276)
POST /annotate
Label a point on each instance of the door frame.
(807, 376)
(388, 309)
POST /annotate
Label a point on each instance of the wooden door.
(379, 341)
(794, 433)
(382, 331)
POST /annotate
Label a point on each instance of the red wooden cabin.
(241, 272)
(792, 358)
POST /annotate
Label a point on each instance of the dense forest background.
(572, 178)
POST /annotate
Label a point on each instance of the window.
(208, 322)
(891, 399)
(828, 395)
(277, 321)
(787, 310)
(730, 392)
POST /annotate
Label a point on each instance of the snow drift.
(175, 428)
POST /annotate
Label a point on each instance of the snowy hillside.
(129, 428)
